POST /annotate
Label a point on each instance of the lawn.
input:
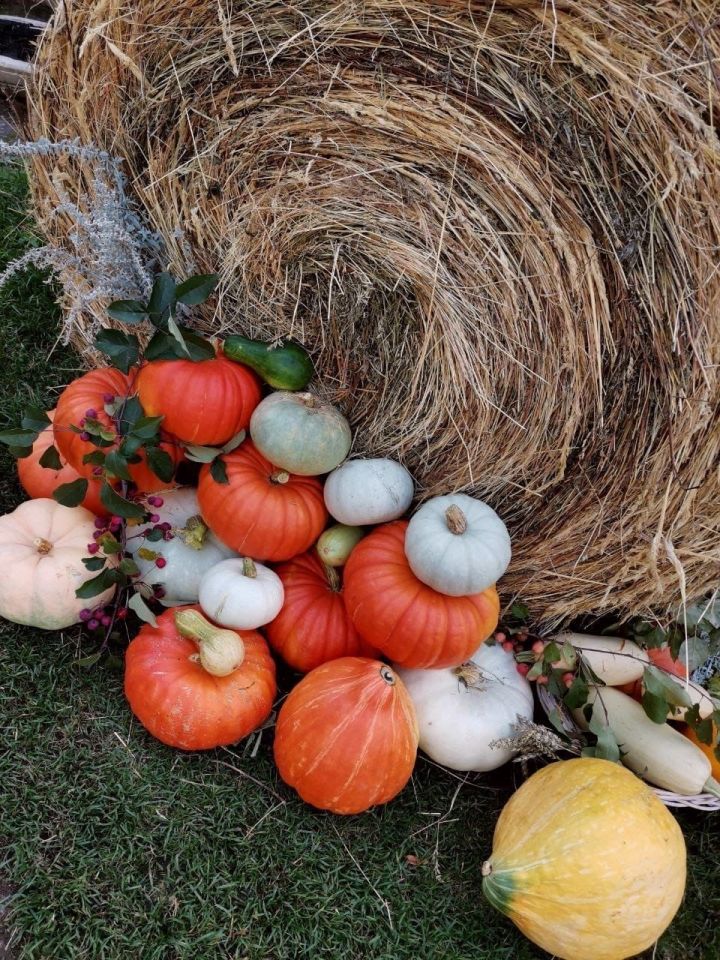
(114, 846)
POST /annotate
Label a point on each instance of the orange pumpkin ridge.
(412, 624)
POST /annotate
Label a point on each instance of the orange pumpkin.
(87, 393)
(207, 402)
(347, 737)
(261, 511)
(40, 482)
(707, 748)
(184, 691)
(412, 624)
(313, 625)
(661, 658)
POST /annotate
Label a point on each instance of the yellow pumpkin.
(587, 862)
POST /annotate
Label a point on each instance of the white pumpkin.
(42, 545)
(365, 492)
(457, 545)
(462, 710)
(193, 550)
(241, 594)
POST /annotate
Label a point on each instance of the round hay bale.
(494, 224)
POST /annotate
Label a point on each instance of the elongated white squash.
(613, 660)
(698, 695)
(654, 751)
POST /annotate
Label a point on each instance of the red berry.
(167, 527)
(108, 397)
(523, 668)
(538, 646)
(159, 592)
(568, 678)
(158, 502)
(508, 646)
(97, 471)
(500, 636)
(122, 613)
(91, 413)
(93, 624)
(93, 547)
(160, 562)
(105, 621)
(85, 435)
(100, 523)
(85, 614)
(154, 518)
(542, 679)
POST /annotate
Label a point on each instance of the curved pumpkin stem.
(249, 568)
(333, 577)
(220, 651)
(279, 476)
(455, 519)
(309, 400)
(194, 532)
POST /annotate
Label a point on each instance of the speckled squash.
(587, 862)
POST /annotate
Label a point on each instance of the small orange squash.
(707, 748)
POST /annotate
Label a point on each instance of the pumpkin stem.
(468, 673)
(333, 577)
(455, 519)
(387, 675)
(220, 651)
(42, 545)
(309, 400)
(194, 532)
(249, 568)
(486, 869)
(280, 476)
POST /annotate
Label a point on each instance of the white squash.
(193, 550)
(461, 710)
(365, 492)
(654, 751)
(613, 660)
(42, 545)
(241, 594)
(457, 545)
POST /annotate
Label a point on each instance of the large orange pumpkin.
(313, 625)
(707, 748)
(261, 511)
(412, 624)
(87, 393)
(347, 737)
(179, 701)
(207, 402)
(40, 482)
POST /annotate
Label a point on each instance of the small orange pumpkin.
(266, 513)
(196, 686)
(412, 624)
(707, 748)
(347, 737)
(313, 625)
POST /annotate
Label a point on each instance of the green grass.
(117, 847)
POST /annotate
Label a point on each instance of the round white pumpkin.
(462, 710)
(42, 544)
(457, 545)
(241, 594)
(365, 492)
(299, 433)
(193, 550)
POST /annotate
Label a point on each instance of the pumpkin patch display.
(462, 710)
(366, 492)
(457, 545)
(346, 737)
(262, 511)
(195, 686)
(42, 544)
(240, 593)
(412, 624)
(41, 482)
(204, 402)
(299, 433)
(313, 625)
(587, 862)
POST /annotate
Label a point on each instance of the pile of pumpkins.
(387, 617)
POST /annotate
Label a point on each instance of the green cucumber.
(288, 367)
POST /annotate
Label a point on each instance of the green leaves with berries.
(20, 439)
(172, 340)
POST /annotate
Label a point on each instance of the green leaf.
(17, 437)
(116, 465)
(662, 684)
(520, 611)
(174, 330)
(146, 428)
(122, 349)
(89, 661)
(198, 347)
(149, 555)
(130, 446)
(109, 544)
(234, 442)
(162, 299)
(35, 418)
(141, 609)
(607, 746)
(130, 411)
(127, 311)
(154, 536)
(162, 346)
(536, 670)
(94, 563)
(569, 655)
(129, 567)
(51, 459)
(161, 463)
(551, 654)
(201, 454)
(91, 588)
(576, 694)
(97, 458)
(655, 707)
(20, 452)
(118, 505)
(218, 471)
(196, 289)
(71, 494)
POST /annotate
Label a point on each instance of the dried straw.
(495, 225)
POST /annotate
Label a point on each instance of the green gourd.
(286, 367)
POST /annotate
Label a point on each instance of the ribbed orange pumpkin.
(178, 701)
(346, 738)
(86, 393)
(261, 511)
(313, 626)
(40, 481)
(207, 402)
(412, 624)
